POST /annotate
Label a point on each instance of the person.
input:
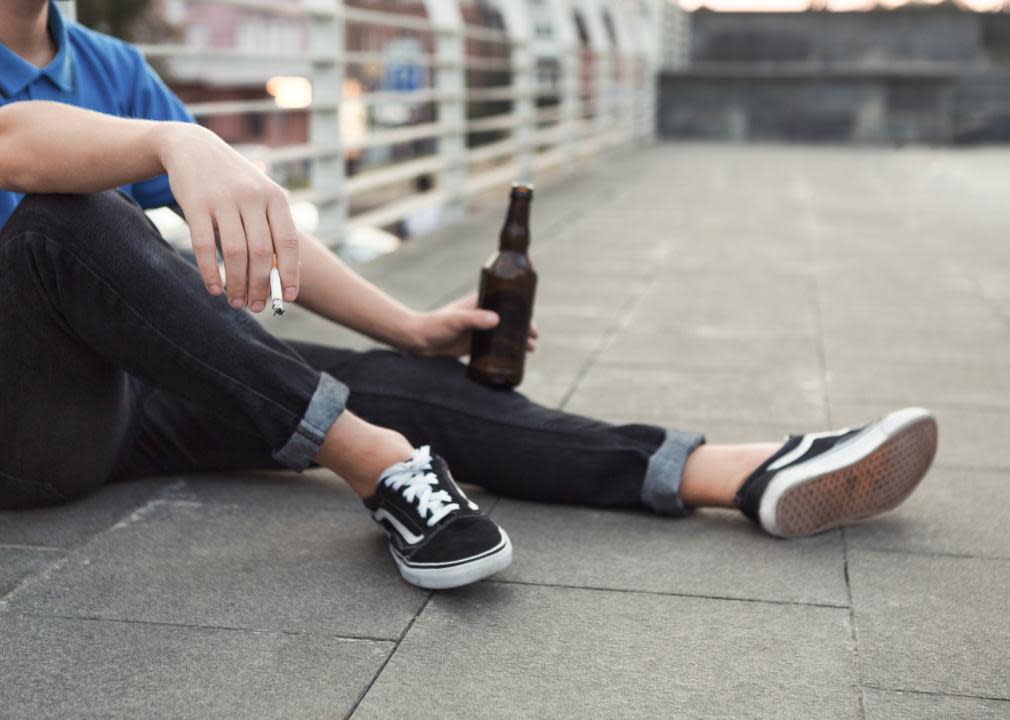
(120, 359)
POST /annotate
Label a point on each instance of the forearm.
(49, 147)
(336, 292)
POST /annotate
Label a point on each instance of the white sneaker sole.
(442, 576)
(872, 473)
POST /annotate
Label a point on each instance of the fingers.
(201, 229)
(534, 331)
(261, 256)
(234, 252)
(285, 244)
(479, 319)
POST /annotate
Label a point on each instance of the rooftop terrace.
(745, 291)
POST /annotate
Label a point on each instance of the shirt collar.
(16, 73)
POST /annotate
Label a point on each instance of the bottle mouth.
(523, 188)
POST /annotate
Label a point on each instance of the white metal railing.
(601, 95)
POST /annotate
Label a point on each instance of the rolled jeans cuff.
(661, 489)
(328, 401)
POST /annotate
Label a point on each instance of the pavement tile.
(953, 511)
(631, 550)
(790, 395)
(525, 651)
(942, 313)
(582, 324)
(889, 705)
(969, 437)
(691, 347)
(18, 563)
(932, 624)
(69, 524)
(920, 384)
(873, 346)
(316, 488)
(726, 305)
(63, 668)
(253, 566)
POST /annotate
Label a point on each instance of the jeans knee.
(95, 223)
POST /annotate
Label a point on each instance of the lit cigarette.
(276, 296)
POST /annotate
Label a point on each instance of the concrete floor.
(744, 291)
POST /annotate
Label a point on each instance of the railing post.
(591, 15)
(569, 67)
(326, 49)
(450, 85)
(627, 94)
(664, 30)
(519, 26)
(637, 27)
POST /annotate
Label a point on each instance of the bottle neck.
(515, 235)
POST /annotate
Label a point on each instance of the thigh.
(176, 435)
(66, 413)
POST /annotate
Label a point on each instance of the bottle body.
(508, 287)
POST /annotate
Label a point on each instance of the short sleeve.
(150, 99)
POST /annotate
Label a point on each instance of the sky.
(798, 5)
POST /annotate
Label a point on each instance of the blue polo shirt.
(99, 73)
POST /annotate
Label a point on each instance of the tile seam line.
(38, 548)
(197, 626)
(852, 626)
(649, 280)
(920, 553)
(938, 693)
(30, 578)
(378, 673)
(696, 596)
(84, 541)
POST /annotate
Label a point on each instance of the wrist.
(410, 335)
(168, 138)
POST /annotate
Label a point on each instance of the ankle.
(714, 473)
(359, 452)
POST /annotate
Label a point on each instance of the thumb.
(479, 319)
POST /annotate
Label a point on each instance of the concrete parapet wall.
(923, 76)
(861, 38)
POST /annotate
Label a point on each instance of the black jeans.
(115, 363)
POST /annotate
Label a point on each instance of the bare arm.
(51, 147)
(48, 147)
(335, 291)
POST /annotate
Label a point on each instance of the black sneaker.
(438, 537)
(823, 480)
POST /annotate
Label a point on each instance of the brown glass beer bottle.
(507, 286)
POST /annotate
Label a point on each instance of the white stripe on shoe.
(408, 537)
(800, 450)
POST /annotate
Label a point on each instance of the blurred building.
(923, 74)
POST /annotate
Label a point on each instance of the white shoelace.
(415, 482)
